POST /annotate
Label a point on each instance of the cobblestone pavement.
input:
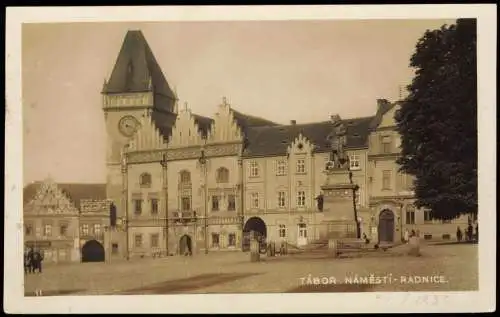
(455, 265)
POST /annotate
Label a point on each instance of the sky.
(279, 70)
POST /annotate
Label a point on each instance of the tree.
(438, 121)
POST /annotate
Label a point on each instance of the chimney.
(293, 122)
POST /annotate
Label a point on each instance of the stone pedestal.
(338, 205)
(254, 251)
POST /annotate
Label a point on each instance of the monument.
(338, 197)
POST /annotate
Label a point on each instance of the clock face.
(128, 125)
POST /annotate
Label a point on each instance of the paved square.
(445, 267)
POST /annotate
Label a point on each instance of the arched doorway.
(254, 226)
(92, 251)
(386, 226)
(185, 245)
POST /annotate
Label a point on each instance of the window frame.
(222, 175)
(281, 167)
(217, 236)
(281, 199)
(301, 198)
(254, 200)
(141, 242)
(145, 180)
(386, 176)
(215, 202)
(154, 206)
(232, 234)
(300, 166)
(154, 237)
(353, 159)
(254, 169)
(282, 230)
(231, 202)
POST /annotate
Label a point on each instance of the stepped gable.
(274, 140)
(203, 123)
(75, 191)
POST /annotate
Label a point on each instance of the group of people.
(469, 233)
(32, 261)
(408, 234)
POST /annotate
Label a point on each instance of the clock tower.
(136, 85)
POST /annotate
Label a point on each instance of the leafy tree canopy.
(438, 121)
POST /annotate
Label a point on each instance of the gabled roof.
(136, 69)
(75, 191)
(203, 123)
(274, 140)
(383, 106)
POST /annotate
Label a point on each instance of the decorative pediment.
(185, 131)
(148, 137)
(50, 199)
(225, 128)
(300, 145)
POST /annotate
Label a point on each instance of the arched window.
(145, 180)
(185, 177)
(222, 175)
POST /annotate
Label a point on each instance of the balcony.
(184, 217)
(92, 236)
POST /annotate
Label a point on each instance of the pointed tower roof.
(136, 69)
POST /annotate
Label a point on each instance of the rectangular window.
(114, 248)
(155, 239)
(386, 144)
(354, 162)
(63, 229)
(281, 200)
(281, 167)
(29, 229)
(282, 231)
(154, 206)
(386, 179)
(215, 203)
(301, 198)
(85, 229)
(215, 240)
(137, 206)
(186, 203)
(301, 166)
(231, 202)
(358, 197)
(427, 216)
(255, 200)
(254, 169)
(47, 230)
(97, 228)
(231, 240)
(138, 240)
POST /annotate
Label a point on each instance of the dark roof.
(246, 121)
(203, 123)
(75, 192)
(134, 68)
(274, 140)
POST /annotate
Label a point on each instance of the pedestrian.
(37, 261)
(406, 236)
(459, 234)
(477, 232)
(27, 262)
(413, 233)
(469, 232)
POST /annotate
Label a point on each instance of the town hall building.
(182, 183)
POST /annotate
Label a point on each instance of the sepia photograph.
(253, 156)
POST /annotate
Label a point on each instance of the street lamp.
(203, 161)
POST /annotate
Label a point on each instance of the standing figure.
(406, 236)
(28, 261)
(477, 232)
(469, 232)
(459, 234)
(37, 261)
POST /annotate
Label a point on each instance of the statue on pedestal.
(337, 142)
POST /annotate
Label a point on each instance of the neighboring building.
(55, 220)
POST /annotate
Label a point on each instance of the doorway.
(386, 226)
(302, 234)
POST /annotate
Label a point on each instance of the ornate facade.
(183, 183)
